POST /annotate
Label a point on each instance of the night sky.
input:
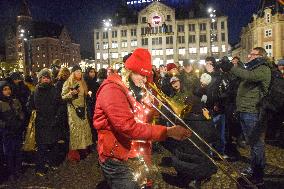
(82, 16)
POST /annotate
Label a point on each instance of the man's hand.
(178, 132)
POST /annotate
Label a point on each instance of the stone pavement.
(86, 174)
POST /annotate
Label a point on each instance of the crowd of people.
(111, 112)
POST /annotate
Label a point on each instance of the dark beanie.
(75, 68)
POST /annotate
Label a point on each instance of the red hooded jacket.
(115, 123)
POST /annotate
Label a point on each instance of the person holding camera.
(74, 91)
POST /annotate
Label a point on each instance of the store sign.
(156, 20)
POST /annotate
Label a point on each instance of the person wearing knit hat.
(44, 73)
(171, 66)
(121, 116)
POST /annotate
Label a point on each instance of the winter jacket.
(11, 116)
(45, 101)
(254, 85)
(80, 131)
(115, 121)
(189, 81)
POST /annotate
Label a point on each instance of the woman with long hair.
(74, 91)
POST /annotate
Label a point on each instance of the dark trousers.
(47, 154)
(118, 175)
(12, 152)
(254, 136)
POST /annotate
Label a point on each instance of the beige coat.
(80, 131)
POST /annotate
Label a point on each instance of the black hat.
(75, 68)
(16, 76)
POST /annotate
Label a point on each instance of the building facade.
(167, 38)
(35, 45)
(266, 30)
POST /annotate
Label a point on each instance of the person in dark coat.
(93, 86)
(11, 129)
(62, 123)
(45, 101)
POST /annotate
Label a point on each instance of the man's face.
(188, 68)
(253, 55)
(138, 80)
(281, 69)
(209, 66)
(6, 91)
(176, 85)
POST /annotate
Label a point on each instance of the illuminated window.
(124, 44)
(133, 43)
(169, 51)
(114, 55)
(268, 48)
(124, 54)
(97, 45)
(215, 49)
(192, 50)
(181, 51)
(105, 45)
(98, 56)
(223, 48)
(203, 50)
(105, 56)
(114, 45)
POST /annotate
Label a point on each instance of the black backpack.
(274, 99)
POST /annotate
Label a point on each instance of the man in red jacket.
(120, 118)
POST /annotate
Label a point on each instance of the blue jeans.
(118, 175)
(249, 123)
(219, 122)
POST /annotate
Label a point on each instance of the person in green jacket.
(255, 80)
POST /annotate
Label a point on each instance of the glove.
(226, 65)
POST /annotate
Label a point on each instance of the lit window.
(215, 49)
(98, 56)
(169, 51)
(170, 61)
(97, 45)
(114, 55)
(202, 62)
(105, 45)
(124, 44)
(181, 51)
(105, 56)
(114, 45)
(124, 54)
(223, 48)
(192, 50)
(133, 43)
(268, 48)
(203, 50)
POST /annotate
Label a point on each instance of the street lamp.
(107, 27)
(213, 20)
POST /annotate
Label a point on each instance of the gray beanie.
(44, 72)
